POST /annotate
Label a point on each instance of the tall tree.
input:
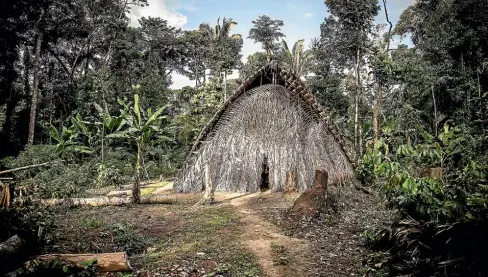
(267, 31)
(450, 35)
(382, 68)
(296, 60)
(224, 54)
(355, 24)
(197, 46)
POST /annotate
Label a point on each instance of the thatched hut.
(270, 131)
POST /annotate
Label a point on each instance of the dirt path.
(243, 235)
(279, 255)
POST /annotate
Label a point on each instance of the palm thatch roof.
(271, 116)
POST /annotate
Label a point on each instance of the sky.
(302, 18)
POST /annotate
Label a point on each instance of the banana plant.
(67, 141)
(138, 127)
(106, 125)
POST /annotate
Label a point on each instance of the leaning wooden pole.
(25, 167)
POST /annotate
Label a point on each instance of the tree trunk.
(110, 201)
(225, 85)
(291, 181)
(136, 192)
(379, 96)
(435, 112)
(377, 113)
(356, 101)
(6, 195)
(108, 262)
(35, 90)
(209, 195)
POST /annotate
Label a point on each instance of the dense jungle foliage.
(84, 90)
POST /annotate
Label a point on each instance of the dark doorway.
(265, 175)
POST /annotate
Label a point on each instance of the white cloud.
(308, 14)
(158, 8)
(190, 6)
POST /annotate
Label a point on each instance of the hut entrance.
(264, 174)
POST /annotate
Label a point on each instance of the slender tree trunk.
(209, 194)
(435, 112)
(379, 95)
(225, 85)
(35, 90)
(357, 98)
(136, 192)
(377, 112)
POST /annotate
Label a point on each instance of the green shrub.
(397, 171)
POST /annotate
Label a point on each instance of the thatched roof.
(271, 116)
(291, 82)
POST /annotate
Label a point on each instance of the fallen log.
(117, 193)
(10, 247)
(109, 201)
(107, 262)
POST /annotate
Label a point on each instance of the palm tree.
(216, 37)
(220, 32)
(296, 61)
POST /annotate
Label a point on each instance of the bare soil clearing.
(243, 235)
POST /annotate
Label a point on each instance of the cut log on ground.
(110, 201)
(108, 262)
(160, 199)
(9, 248)
(312, 201)
(117, 193)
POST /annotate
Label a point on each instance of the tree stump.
(209, 195)
(291, 181)
(436, 173)
(309, 204)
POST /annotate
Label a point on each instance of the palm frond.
(227, 26)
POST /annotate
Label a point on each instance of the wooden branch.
(25, 167)
(107, 262)
(391, 26)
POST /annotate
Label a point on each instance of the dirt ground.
(242, 235)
